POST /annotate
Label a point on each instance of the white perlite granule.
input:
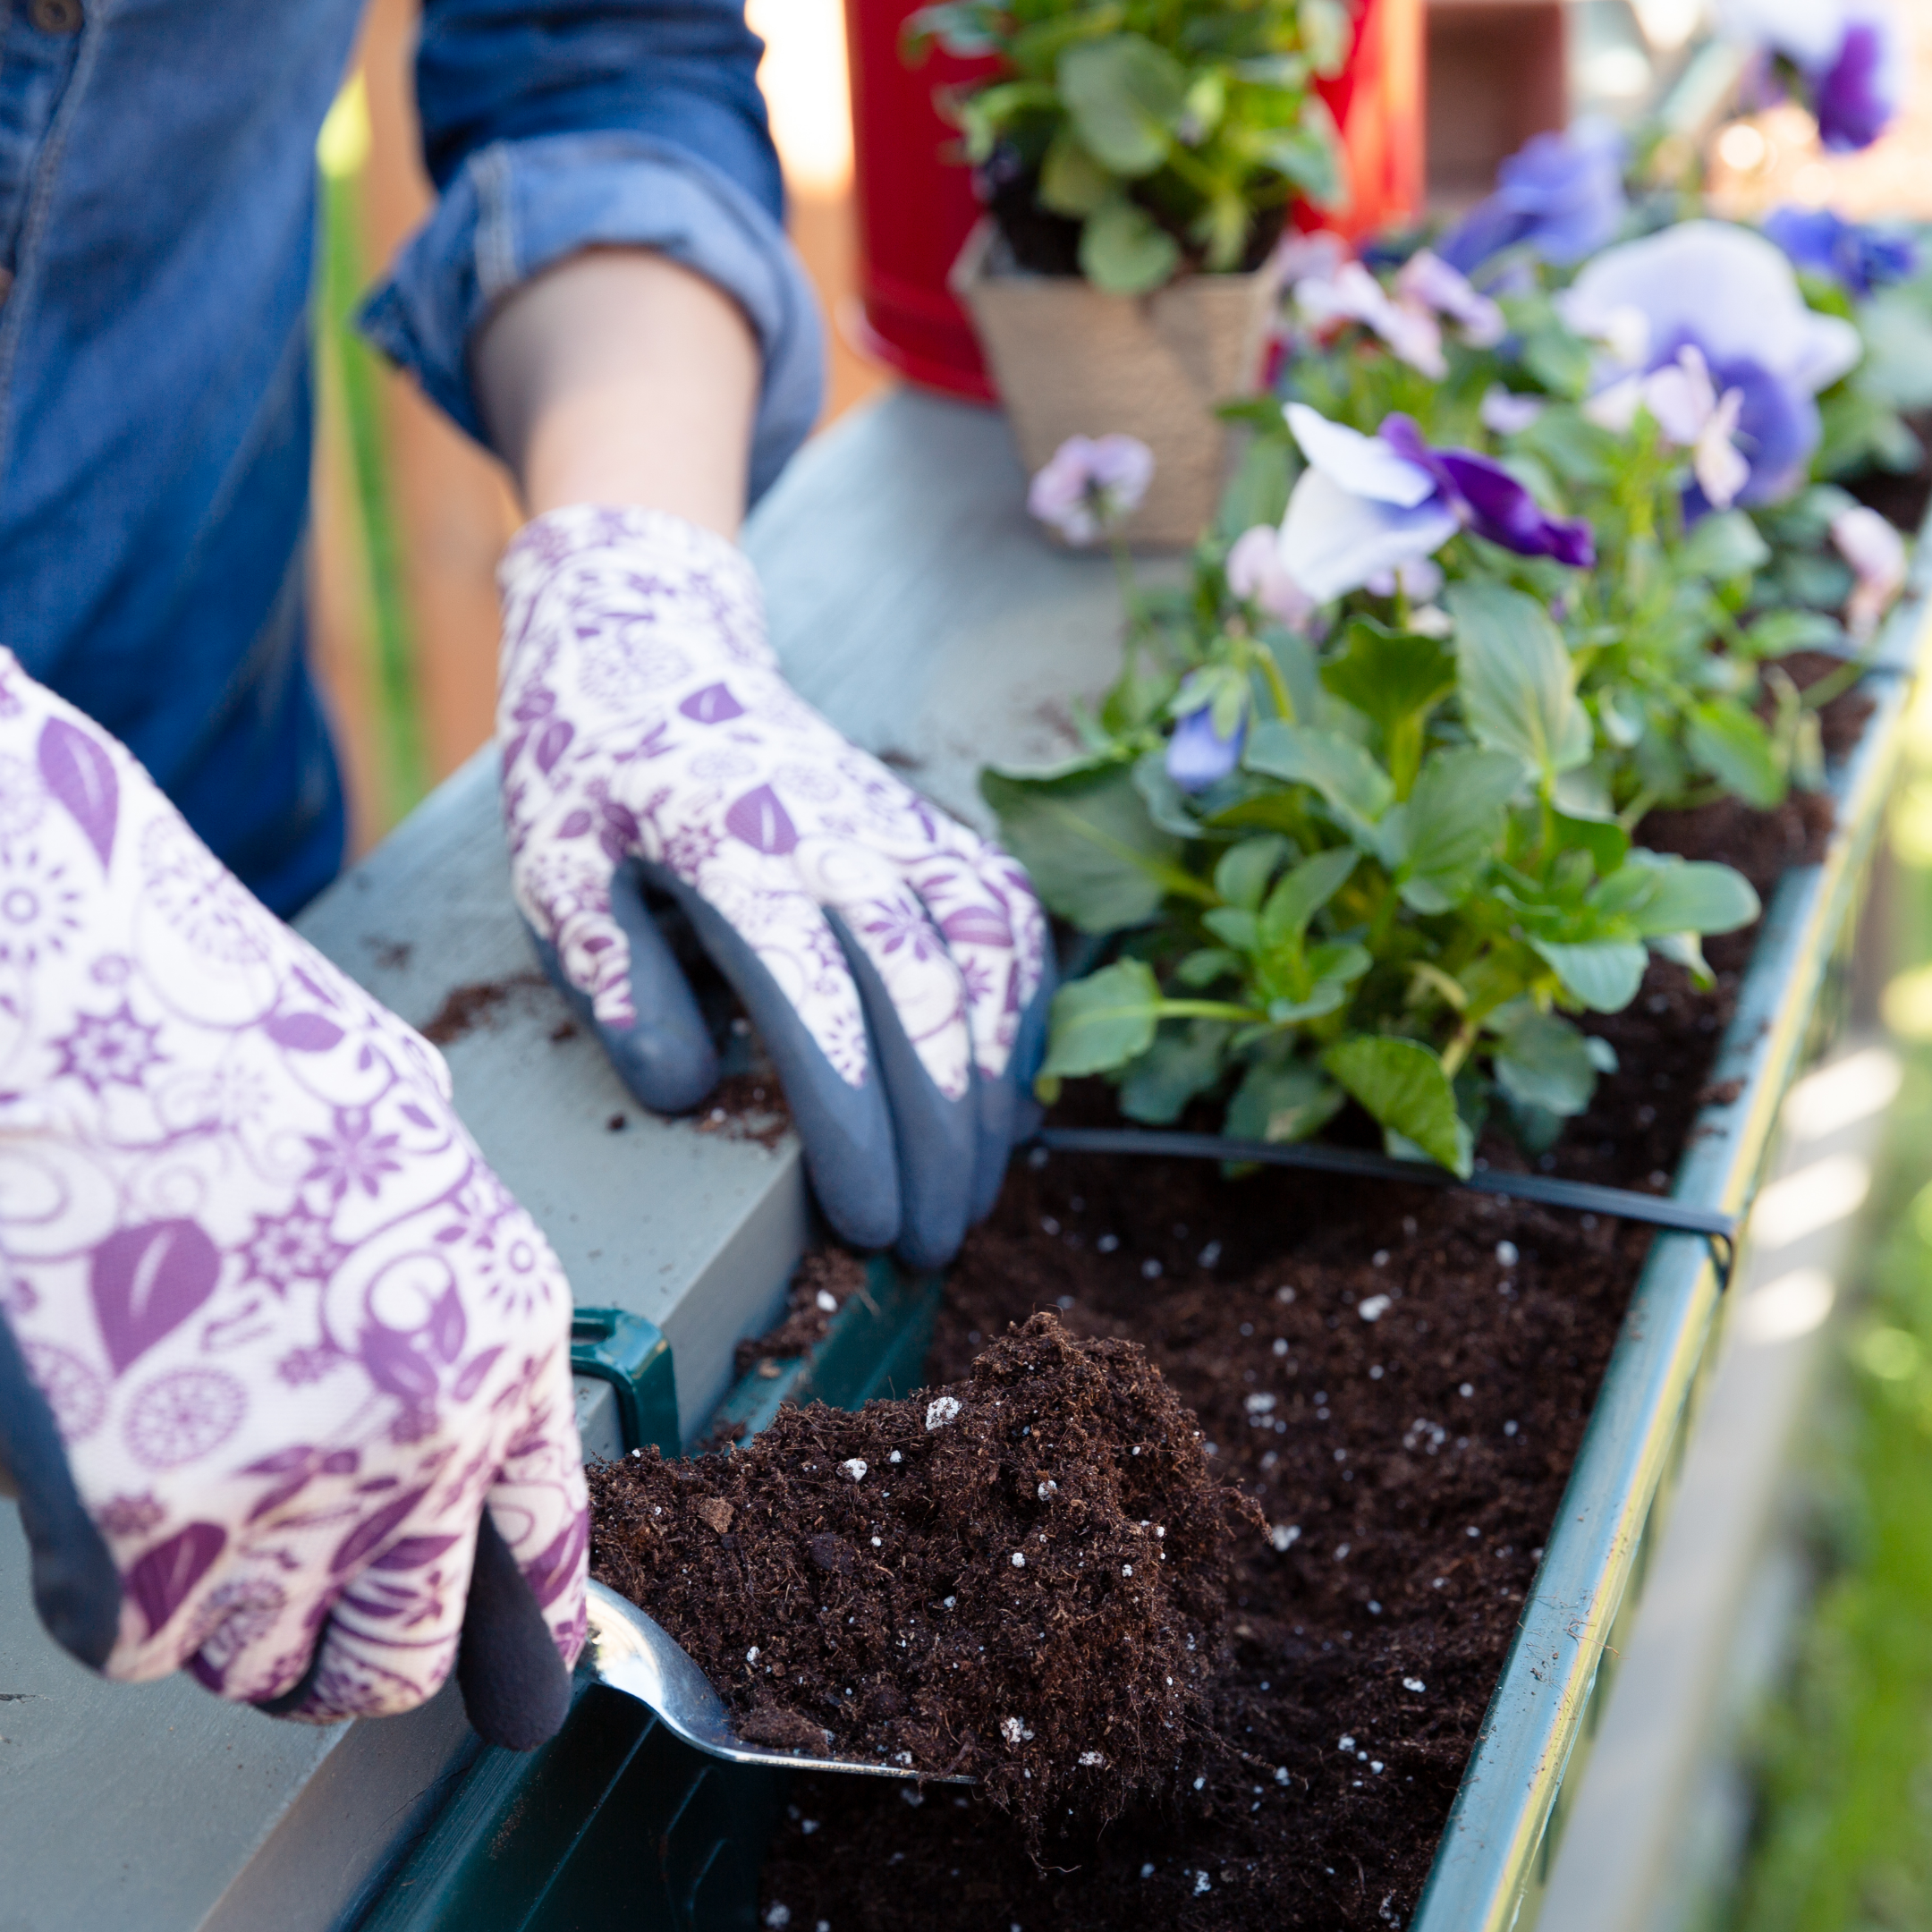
(855, 1469)
(942, 1409)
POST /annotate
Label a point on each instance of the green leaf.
(1085, 838)
(1304, 155)
(1897, 368)
(1102, 1021)
(1125, 251)
(1071, 180)
(1282, 1102)
(1518, 679)
(1037, 49)
(1454, 821)
(1325, 34)
(1126, 97)
(1326, 996)
(1389, 675)
(1778, 632)
(1686, 952)
(1577, 449)
(1602, 974)
(969, 29)
(1302, 894)
(1584, 791)
(1257, 492)
(1342, 960)
(1245, 869)
(1606, 841)
(1201, 970)
(1557, 358)
(1722, 546)
(1402, 1083)
(1233, 927)
(1182, 1062)
(1542, 1061)
(1694, 896)
(1167, 803)
(1733, 747)
(1351, 782)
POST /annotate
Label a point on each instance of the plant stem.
(1820, 693)
(1207, 1009)
(1263, 659)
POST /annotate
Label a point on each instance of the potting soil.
(1398, 1379)
(1020, 1576)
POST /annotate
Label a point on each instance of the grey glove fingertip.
(932, 1136)
(665, 1057)
(845, 1130)
(515, 1688)
(76, 1587)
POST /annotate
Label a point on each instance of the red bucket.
(915, 205)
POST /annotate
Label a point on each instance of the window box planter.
(935, 489)
(907, 523)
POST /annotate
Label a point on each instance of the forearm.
(620, 377)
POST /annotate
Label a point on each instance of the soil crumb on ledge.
(1020, 1578)
(823, 1281)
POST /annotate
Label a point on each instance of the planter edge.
(1495, 1848)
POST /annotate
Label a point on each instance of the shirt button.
(61, 17)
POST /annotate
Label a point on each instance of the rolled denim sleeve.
(551, 127)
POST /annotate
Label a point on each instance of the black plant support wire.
(1718, 1228)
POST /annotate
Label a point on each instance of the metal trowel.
(632, 1652)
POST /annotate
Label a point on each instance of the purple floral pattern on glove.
(641, 715)
(293, 1332)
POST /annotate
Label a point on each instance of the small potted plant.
(1139, 162)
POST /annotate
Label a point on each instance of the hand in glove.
(273, 1339)
(893, 962)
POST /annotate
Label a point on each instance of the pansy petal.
(1333, 541)
(1363, 466)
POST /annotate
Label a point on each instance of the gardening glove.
(284, 1373)
(893, 962)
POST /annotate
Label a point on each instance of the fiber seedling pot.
(1070, 359)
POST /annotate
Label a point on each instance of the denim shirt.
(157, 211)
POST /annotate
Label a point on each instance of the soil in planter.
(1021, 1577)
(1046, 243)
(1900, 497)
(1400, 1378)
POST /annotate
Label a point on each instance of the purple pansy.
(1856, 97)
(1561, 195)
(1488, 501)
(1090, 485)
(1849, 54)
(1863, 258)
(1198, 755)
(1730, 294)
(1368, 509)
(1359, 509)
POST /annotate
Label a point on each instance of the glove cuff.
(675, 568)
